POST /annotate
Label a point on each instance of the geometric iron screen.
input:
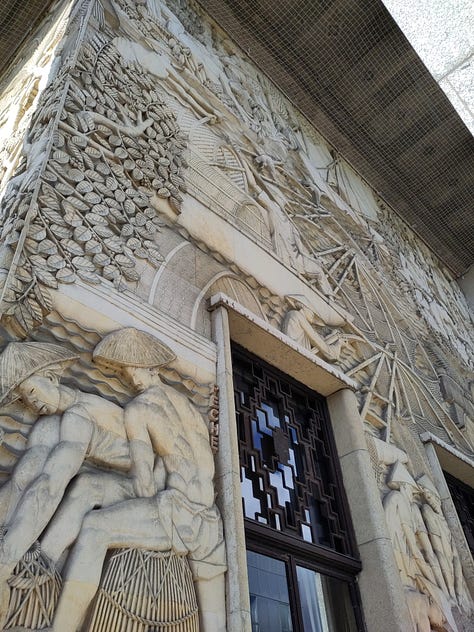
(289, 468)
(463, 499)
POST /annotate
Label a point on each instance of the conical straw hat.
(425, 482)
(398, 475)
(20, 360)
(299, 300)
(132, 347)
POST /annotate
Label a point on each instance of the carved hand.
(159, 474)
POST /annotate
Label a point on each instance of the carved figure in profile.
(285, 235)
(234, 85)
(425, 552)
(451, 579)
(404, 522)
(411, 545)
(73, 426)
(172, 471)
(94, 488)
(300, 325)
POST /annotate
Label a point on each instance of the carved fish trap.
(34, 590)
(146, 591)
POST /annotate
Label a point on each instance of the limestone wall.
(150, 167)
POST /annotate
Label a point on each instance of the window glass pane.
(269, 601)
(290, 485)
(463, 499)
(325, 603)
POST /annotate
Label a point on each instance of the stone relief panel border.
(92, 448)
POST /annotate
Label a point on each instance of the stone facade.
(160, 198)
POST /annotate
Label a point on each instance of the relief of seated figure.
(156, 453)
(172, 473)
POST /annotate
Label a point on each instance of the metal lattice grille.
(351, 71)
(288, 475)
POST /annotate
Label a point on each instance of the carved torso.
(179, 435)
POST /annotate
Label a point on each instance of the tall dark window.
(463, 499)
(302, 559)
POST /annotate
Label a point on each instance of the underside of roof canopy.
(351, 71)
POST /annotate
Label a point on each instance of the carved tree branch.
(128, 129)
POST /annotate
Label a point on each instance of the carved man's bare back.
(105, 434)
(177, 514)
(105, 414)
(178, 433)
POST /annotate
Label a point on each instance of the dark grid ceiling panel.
(351, 71)
(17, 20)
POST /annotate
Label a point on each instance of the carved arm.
(141, 452)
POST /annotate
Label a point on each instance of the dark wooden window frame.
(264, 539)
(293, 558)
(463, 500)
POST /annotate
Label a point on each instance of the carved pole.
(228, 483)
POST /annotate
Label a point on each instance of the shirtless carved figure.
(299, 324)
(102, 476)
(172, 469)
(73, 426)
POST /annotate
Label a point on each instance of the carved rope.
(143, 620)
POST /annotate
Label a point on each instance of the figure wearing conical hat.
(128, 347)
(298, 325)
(19, 361)
(414, 554)
(403, 523)
(400, 507)
(73, 426)
(172, 471)
(132, 347)
(442, 541)
(285, 235)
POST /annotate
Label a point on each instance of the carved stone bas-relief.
(110, 153)
(97, 476)
(147, 165)
(300, 324)
(427, 559)
(147, 605)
